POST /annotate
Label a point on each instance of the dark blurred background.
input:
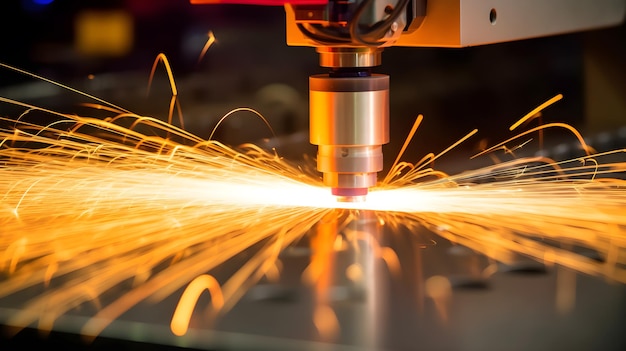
(107, 48)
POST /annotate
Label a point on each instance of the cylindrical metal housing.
(350, 111)
(349, 121)
(349, 57)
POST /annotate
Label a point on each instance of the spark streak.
(183, 312)
(88, 206)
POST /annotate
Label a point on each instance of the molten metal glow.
(92, 205)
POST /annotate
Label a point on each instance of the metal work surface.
(482, 304)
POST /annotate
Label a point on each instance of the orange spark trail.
(535, 111)
(185, 307)
(210, 41)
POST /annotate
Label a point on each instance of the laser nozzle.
(350, 194)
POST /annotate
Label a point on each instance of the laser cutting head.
(349, 106)
(349, 122)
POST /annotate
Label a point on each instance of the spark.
(92, 205)
(174, 102)
(536, 111)
(210, 41)
(185, 307)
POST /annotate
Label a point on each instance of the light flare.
(83, 199)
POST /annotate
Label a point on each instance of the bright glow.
(89, 204)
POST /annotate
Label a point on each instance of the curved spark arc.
(84, 199)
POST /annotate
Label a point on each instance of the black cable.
(378, 30)
(370, 37)
(353, 25)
